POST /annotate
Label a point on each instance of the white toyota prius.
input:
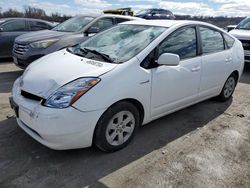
(101, 91)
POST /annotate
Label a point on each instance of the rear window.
(34, 25)
(229, 40)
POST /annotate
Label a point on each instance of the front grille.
(21, 49)
(30, 96)
(247, 58)
(245, 44)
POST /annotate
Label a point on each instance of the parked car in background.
(10, 28)
(100, 91)
(156, 14)
(32, 46)
(120, 11)
(242, 32)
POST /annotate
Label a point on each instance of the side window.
(155, 12)
(163, 12)
(35, 26)
(103, 23)
(229, 40)
(182, 42)
(17, 25)
(212, 40)
(120, 20)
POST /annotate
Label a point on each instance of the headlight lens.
(71, 92)
(43, 43)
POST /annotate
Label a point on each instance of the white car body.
(192, 81)
(244, 36)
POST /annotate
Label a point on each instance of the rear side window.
(12, 26)
(155, 12)
(229, 40)
(120, 20)
(182, 42)
(212, 40)
(35, 26)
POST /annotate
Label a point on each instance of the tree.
(32, 12)
(11, 13)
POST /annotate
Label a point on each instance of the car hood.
(40, 35)
(50, 72)
(241, 33)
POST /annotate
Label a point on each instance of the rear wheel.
(117, 127)
(228, 88)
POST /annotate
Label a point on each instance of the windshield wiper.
(104, 56)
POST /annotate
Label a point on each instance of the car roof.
(31, 19)
(94, 15)
(121, 16)
(166, 23)
(109, 15)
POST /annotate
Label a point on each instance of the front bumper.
(247, 56)
(58, 129)
(22, 61)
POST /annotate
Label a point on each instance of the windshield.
(244, 24)
(120, 43)
(73, 25)
(143, 12)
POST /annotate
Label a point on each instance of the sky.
(191, 7)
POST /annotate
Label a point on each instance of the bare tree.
(32, 12)
(11, 13)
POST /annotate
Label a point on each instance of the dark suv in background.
(10, 28)
(156, 14)
(32, 46)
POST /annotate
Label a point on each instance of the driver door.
(174, 87)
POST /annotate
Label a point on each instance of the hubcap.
(229, 87)
(120, 128)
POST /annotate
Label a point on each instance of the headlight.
(43, 43)
(71, 92)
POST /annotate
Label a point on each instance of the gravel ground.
(206, 145)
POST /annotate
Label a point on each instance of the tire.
(228, 88)
(117, 127)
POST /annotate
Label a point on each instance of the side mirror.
(168, 59)
(92, 30)
(1, 29)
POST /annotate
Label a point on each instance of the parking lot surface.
(205, 145)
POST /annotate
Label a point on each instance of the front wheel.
(228, 88)
(116, 127)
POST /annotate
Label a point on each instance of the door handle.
(196, 69)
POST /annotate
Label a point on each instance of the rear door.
(216, 61)
(10, 31)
